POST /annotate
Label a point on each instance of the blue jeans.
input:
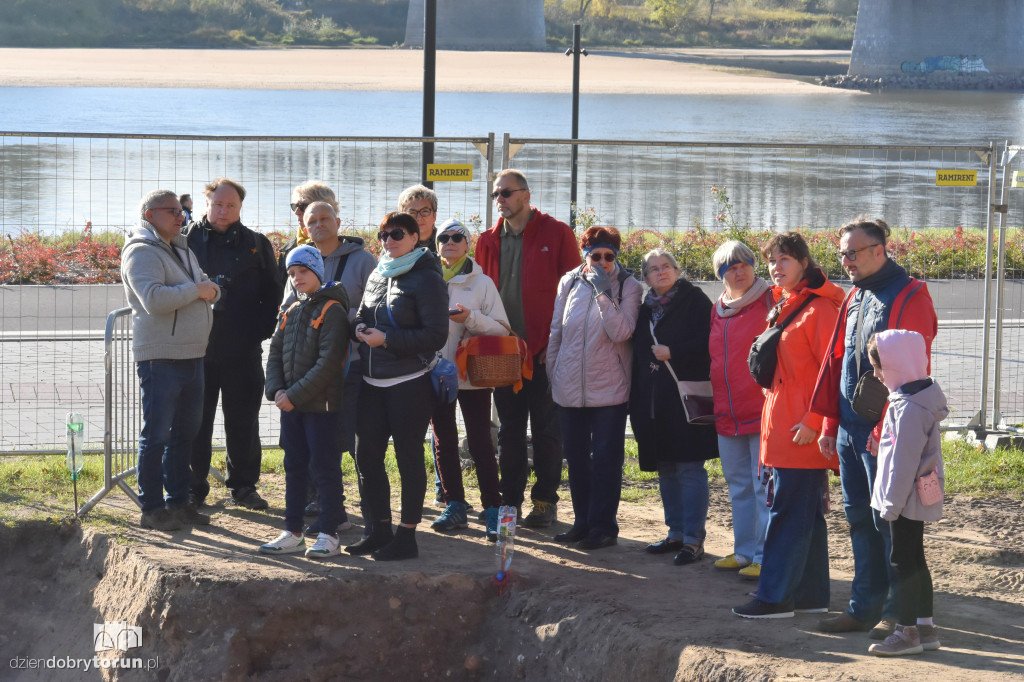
(795, 566)
(873, 577)
(740, 458)
(312, 446)
(684, 495)
(595, 439)
(172, 411)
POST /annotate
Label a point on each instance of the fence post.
(490, 179)
(980, 421)
(997, 418)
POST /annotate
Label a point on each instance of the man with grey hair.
(170, 298)
(421, 203)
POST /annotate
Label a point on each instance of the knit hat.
(454, 225)
(308, 257)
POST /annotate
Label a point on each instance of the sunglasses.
(455, 238)
(505, 193)
(608, 257)
(299, 207)
(396, 235)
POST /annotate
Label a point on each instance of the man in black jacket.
(242, 263)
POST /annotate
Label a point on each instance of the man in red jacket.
(526, 253)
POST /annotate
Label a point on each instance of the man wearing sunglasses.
(302, 196)
(526, 253)
(884, 297)
(421, 202)
(241, 261)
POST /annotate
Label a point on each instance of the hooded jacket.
(169, 320)
(802, 348)
(308, 351)
(590, 357)
(418, 300)
(911, 445)
(549, 251)
(478, 294)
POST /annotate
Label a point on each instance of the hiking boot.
(187, 516)
(751, 572)
(250, 499)
(732, 562)
(491, 523)
(904, 641)
(929, 635)
(844, 622)
(380, 535)
(452, 518)
(883, 629)
(402, 547)
(285, 543)
(160, 519)
(543, 515)
(325, 546)
(756, 608)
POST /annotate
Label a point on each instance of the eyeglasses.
(396, 235)
(422, 213)
(608, 257)
(505, 193)
(299, 207)
(176, 212)
(456, 238)
(851, 254)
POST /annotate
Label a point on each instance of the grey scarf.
(728, 307)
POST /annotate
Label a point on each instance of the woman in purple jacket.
(739, 316)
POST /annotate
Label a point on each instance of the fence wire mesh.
(67, 200)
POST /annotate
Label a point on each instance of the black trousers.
(238, 383)
(913, 579)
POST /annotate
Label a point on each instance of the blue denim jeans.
(684, 496)
(795, 566)
(312, 446)
(172, 411)
(873, 577)
(740, 457)
(595, 439)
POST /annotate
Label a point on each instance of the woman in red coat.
(794, 570)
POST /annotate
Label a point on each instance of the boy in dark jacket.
(307, 357)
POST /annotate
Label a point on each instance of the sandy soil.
(650, 72)
(211, 608)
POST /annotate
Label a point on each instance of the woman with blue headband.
(589, 360)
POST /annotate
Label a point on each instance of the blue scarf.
(393, 267)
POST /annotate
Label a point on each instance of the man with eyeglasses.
(241, 261)
(526, 253)
(170, 298)
(421, 202)
(884, 297)
(303, 195)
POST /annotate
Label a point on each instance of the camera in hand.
(224, 282)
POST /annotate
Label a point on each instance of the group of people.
(354, 340)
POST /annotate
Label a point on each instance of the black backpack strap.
(782, 325)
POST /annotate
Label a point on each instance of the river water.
(52, 184)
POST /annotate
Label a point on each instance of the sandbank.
(387, 69)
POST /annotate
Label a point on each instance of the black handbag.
(870, 398)
(764, 352)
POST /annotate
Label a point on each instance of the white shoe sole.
(784, 614)
(265, 549)
(321, 555)
(905, 652)
(823, 609)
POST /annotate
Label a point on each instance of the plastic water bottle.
(506, 540)
(76, 439)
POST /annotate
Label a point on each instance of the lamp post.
(575, 51)
(429, 74)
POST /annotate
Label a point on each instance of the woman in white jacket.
(590, 361)
(474, 309)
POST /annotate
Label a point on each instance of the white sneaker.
(324, 547)
(285, 543)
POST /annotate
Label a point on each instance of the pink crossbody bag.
(928, 489)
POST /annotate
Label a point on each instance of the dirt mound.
(210, 608)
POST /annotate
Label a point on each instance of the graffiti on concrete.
(962, 65)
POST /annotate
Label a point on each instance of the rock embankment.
(929, 82)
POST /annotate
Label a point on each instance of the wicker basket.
(493, 371)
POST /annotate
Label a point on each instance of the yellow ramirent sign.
(956, 178)
(449, 172)
(1018, 179)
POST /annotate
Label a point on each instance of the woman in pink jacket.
(739, 316)
(589, 360)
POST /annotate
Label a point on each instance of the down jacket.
(590, 357)
(911, 445)
(308, 351)
(478, 294)
(738, 398)
(802, 348)
(418, 300)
